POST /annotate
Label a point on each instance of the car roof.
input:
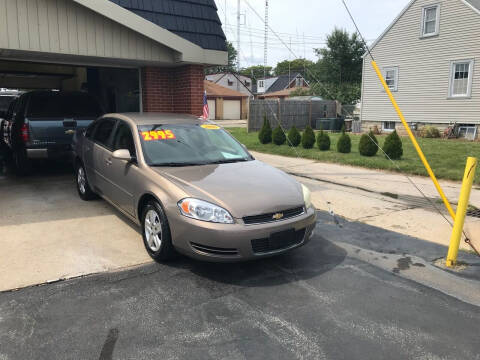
(157, 118)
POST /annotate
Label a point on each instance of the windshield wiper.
(177, 164)
(228, 161)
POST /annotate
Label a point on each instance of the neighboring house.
(225, 103)
(144, 55)
(281, 94)
(235, 82)
(429, 57)
(282, 82)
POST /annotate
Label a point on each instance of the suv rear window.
(63, 105)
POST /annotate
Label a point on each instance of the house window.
(391, 78)
(388, 126)
(467, 131)
(430, 20)
(230, 82)
(298, 82)
(261, 84)
(461, 79)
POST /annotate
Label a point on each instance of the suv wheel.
(156, 232)
(83, 187)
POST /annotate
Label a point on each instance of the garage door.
(211, 108)
(231, 109)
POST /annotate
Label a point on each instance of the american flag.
(206, 110)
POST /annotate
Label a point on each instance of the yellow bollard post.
(461, 211)
(414, 141)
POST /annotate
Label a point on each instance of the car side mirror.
(122, 154)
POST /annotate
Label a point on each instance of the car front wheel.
(156, 232)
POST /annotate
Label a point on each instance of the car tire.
(83, 187)
(22, 164)
(156, 232)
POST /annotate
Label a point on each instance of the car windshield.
(189, 145)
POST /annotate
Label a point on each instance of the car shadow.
(315, 258)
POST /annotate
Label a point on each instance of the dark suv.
(41, 124)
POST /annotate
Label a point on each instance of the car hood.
(243, 188)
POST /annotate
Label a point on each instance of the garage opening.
(114, 89)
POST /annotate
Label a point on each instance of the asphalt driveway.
(315, 303)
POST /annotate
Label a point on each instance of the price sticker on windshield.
(158, 135)
(210, 127)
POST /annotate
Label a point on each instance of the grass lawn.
(447, 157)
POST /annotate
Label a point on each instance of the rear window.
(61, 105)
(5, 102)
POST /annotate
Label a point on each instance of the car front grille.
(272, 217)
(214, 250)
(278, 241)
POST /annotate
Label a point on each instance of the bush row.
(368, 145)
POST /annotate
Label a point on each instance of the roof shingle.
(194, 20)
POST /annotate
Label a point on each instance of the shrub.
(265, 134)
(308, 138)
(294, 137)
(323, 141)
(344, 144)
(429, 132)
(368, 145)
(393, 146)
(278, 136)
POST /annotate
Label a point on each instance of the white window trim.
(388, 130)
(470, 79)
(394, 68)
(437, 21)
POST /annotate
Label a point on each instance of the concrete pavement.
(49, 233)
(379, 198)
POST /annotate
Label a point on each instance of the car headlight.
(307, 196)
(204, 211)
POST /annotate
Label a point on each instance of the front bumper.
(233, 242)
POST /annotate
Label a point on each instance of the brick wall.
(178, 90)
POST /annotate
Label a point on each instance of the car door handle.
(108, 162)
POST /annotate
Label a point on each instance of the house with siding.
(232, 81)
(429, 57)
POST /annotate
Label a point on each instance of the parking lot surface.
(314, 303)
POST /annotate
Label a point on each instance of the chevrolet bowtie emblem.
(277, 216)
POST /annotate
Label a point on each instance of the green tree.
(342, 59)
(323, 141)
(368, 145)
(294, 137)
(339, 68)
(278, 136)
(265, 134)
(393, 146)
(308, 138)
(289, 67)
(344, 143)
(256, 72)
(232, 62)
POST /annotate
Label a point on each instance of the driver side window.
(123, 138)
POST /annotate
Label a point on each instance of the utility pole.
(265, 50)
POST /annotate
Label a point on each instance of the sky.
(302, 23)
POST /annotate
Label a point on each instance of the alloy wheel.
(153, 230)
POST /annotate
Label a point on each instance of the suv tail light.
(24, 133)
